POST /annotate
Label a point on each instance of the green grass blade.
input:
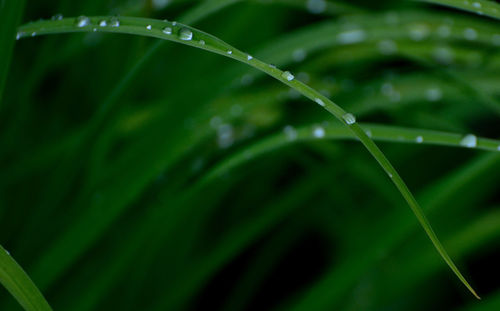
(480, 7)
(10, 16)
(18, 283)
(193, 37)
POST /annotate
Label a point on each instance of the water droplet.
(351, 36)
(7, 252)
(316, 6)
(114, 22)
(185, 34)
(287, 75)
(202, 42)
(368, 133)
(444, 31)
(33, 33)
(174, 23)
(57, 17)
(319, 132)
(290, 132)
(390, 175)
(299, 55)
(320, 102)
(148, 27)
(387, 47)
(443, 55)
(498, 148)
(469, 141)
(229, 52)
(495, 39)
(247, 79)
(349, 118)
(392, 18)
(272, 66)
(477, 5)
(160, 4)
(103, 23)
(19, 35)
(167, 30)
(419, 32)
(225, 137)
(215, 122)
(419, 139)
(82, 21)
(433, 94)
(249, 57)
(470, 34)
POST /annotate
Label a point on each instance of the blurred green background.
(114, 192)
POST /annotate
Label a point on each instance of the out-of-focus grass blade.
(480, 7)
(18, 283)
(10, 16)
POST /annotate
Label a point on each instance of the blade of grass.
(193, 37)
(480, 7)
(10, 16)
(18, 283)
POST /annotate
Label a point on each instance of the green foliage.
(156, 171)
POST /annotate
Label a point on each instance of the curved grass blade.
(393, 134)
(18, 283)
(189, 36)
(480, 7)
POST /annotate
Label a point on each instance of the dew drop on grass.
(444, 31)
(202, 42)
(185, 34)
(419, 139)
(470, 34)
(215, 122)
(148, 27)
(319, 132)
(287, 75)
(160, 4)
(351, 36)
(316, 6)
(7, 252)
(495, 39)
(167, 30)
(443, 55)
(299, 55)
(114, 22)
(225, 137)
(174, 23)
(82, 21)
(19, 35)
(433, 94)
(290, 132)
(103, 23)
(57, 17)
(33, 33)
(249, 57)
(477, 5)
(387, 47)
(349, 118)
(320, 102)
(469, 141)
(368, 133)
(229, 52)
(419, 32)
